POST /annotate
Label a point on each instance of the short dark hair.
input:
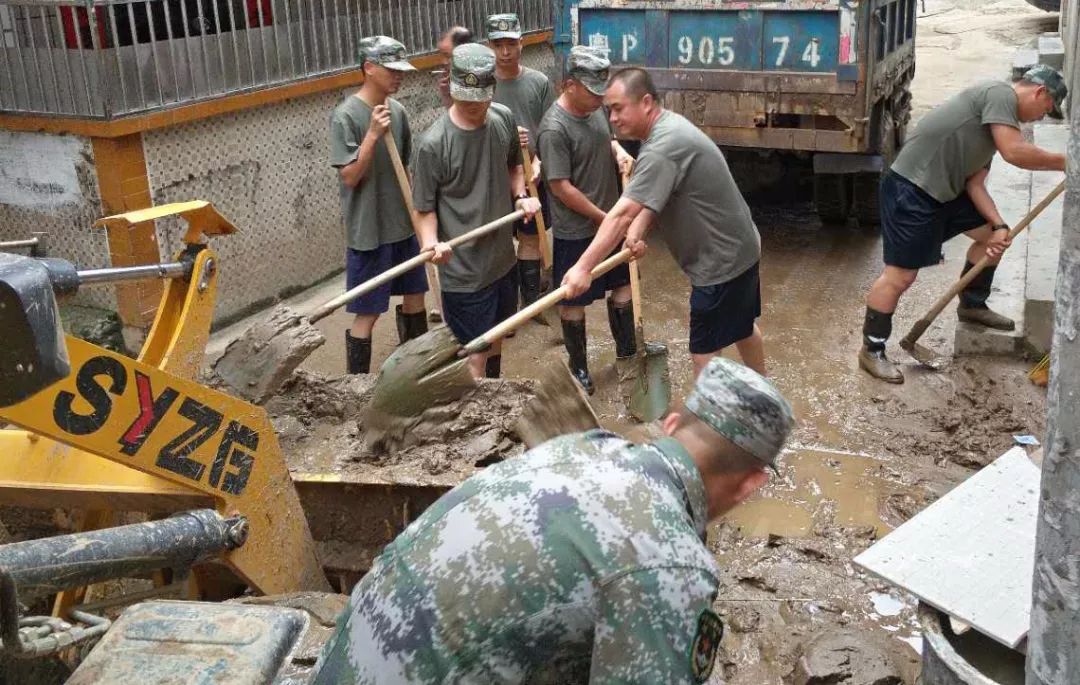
(637, 83)
(459, 35)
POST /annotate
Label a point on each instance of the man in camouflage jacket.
(582, 561)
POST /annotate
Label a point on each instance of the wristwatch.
(522, 196)
(1001, 227)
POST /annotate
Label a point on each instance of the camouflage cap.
(384, 51)
(739, 404)
(472, 73)
(1053, 81)
(503, 26)
(589, 67)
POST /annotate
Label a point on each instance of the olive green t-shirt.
(374, 211)
(682, 176)
(463, 176)
(529, 97)
(578, 149)
(953, 140)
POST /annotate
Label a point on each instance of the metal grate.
(105, 58)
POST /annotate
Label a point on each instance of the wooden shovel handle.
(547, 301)
(541, 227)
(635, 290)
(409, 264)
(922, 324)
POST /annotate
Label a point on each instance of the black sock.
(877, 327)
(975, 295)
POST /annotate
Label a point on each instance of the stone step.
(1010, 187)
(1044, 244)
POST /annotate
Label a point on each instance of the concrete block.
(1044, 244)
(1011, 189)
(1024, 59)
(1051, 50)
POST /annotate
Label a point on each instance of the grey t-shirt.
(374, 211)
(464, 177)
(953, 141)
(528, 96)
(578, 149)
(682, 176)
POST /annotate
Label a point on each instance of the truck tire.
(867, 205)
(832, 197)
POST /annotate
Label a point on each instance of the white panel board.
(971, 554)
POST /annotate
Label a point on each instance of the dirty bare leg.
(362, 325)
(571, 313)
(977, 250)
(528, 247)
(621, 295)
(752, 351)
(890, 285)
(412, 304)
(478, 361)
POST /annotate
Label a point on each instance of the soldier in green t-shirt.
(378, 228)
(936, 189)
(466, 173)
(528, 93)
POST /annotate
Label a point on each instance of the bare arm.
(517, 180)
(623, 158)
(1018, 152)
(427, 232)
(614, 226)
(980, 197)
(575, 200)
(357, 170)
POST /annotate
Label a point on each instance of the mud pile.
(321, 425)
(971, 419)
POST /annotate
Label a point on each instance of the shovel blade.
(561, 407)
(924, 355)
(420, 374)
(651, 393)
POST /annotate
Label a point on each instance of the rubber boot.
(574, 340)
(529, 283)
(357, 354)
(621, 321)
(877, 327)
(493, 366)
(973, 299)
(410, 326)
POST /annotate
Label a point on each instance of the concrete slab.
(971, 553)
(1024, 59)
(1010, 187)
(1044, 245)
(1051, 50)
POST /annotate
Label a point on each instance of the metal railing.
(107, 58)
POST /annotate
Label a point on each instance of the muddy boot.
(357, 354)
(877, 327)
(493, 366)
(621, 321)
(529, 282)
(574, 340)
(410, 326)
(973, 299)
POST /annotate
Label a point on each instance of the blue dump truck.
(827, 78)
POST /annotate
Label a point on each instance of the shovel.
(541, 228)
(433, 368)
(928, 357)
(651, 393)
(406, 193)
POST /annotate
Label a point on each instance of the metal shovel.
(651, 394)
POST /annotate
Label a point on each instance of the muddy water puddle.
(812, 480)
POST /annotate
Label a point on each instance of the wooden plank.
(971, 554)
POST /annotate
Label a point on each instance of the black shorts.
(914, 225)
(363, 265)
(724, 313)
(566, 254)
(469, 315)
(529, 228)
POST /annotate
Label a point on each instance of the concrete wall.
(48, 183)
